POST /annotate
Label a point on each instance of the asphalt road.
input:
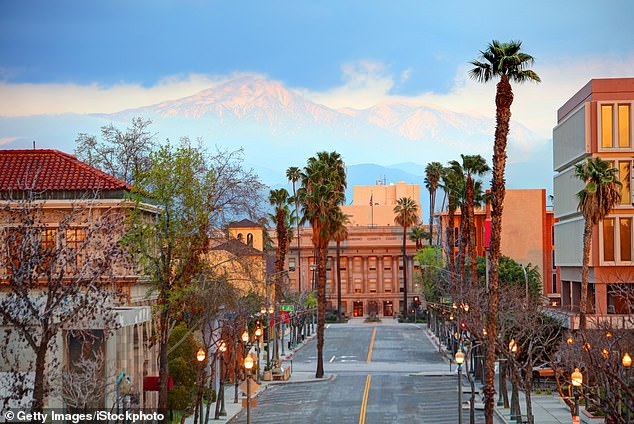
(383, 373)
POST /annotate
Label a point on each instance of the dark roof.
(245, 223)
(52, 170)
(238, 248)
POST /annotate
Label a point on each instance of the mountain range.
(279, 127)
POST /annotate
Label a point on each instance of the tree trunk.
(40, 377)
(432, 206)
(464, 246)
(338, 265)
(473, 254)
(299, 245)
(442, 208)
(450, 250)
(528, 387)
(583, 302)
(163, 360)
(281, 254)
(321, 308)
(404, 256)
(503, 101)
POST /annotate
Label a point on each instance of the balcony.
(570, 319)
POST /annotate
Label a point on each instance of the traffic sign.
(253, 402)
(287, 308)
(253, 387)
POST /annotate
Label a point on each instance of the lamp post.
(459, 358)
(577, 380)
(221, 392)
(258, 338)
(200, 356)
(626, 361)
(248, 365)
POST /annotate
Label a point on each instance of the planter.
(588, 418)
(267, 375)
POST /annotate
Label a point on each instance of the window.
(616, 236)
(615, 131)
(625, 178)
(250, 239)
(624, 126)
(606, 126)
(625, 239)
(608, 239)
(554, 286)
(291, 264)
(74, 240)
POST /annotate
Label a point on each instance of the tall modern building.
(595, 122)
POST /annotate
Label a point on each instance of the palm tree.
(417, 236)
(279, 199)
(471, 166)
(506, 61)
(339, 234)
(406, 211)
(433, 175)
(451, 184)
(321, 192)
(293, 174)
(601, 193)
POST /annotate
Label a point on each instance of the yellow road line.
(371, 346)
(364, 401)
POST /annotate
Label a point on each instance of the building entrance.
(388, 308)
(357, 308)
(373, 307)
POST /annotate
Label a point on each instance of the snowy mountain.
(278, 127)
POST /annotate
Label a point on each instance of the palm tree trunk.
(322, 253)
(338, 265)
(464, 245)
(404, 256)
(442, 208)
(432, 206)
(473, 254)
(450, 250)
(503, 101)
(583, 302)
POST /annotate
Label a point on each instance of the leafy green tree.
(507, 62)
(321, 193)
(183, 367)
(406, 215)
(602, 191)
(431, 265)
(194, 193)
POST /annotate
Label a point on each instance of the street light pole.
(221, 392)
(577, 380)
(459, 358)
(200, 356)
(248, 364)
(626, 361)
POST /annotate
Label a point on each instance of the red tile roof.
(44, 169)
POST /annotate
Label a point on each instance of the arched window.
(250, 239)
(240, 237)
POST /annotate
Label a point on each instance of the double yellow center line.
(368, 379)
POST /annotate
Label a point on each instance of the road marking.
(364, 401)
(371, 346)
(332, 359)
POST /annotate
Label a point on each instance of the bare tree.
(61, 270)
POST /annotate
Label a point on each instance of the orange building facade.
(595, 122)
(527, 234)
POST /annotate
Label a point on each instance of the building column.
(379, 274)
(364, 275)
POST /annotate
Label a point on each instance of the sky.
(104, 56)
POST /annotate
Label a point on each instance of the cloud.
(35, 99)
(365, 83)
(7, 140)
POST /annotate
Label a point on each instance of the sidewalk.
(233, 409)
(547, 409)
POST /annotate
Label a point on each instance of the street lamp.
(577, 380)
(200, 356)
(626, 361)
(459, 358)
(222, 348)
(248, 365)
